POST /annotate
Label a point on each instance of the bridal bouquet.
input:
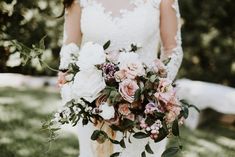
(117, 88)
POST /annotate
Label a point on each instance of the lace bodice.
(127, 21)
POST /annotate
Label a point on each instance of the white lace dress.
(124, 22)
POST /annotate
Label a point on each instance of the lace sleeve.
(171, 36)
(72, 35)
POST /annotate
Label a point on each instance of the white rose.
(68, 54)
(131, 64)
(107, 111)
(66, 92)
(91, 54)
(88, 84)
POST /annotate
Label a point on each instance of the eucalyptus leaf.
(148, 149)
(143, 154)
(175, 128)
(115, 154)
(140, 135)
(169, 152)
(107, 44)
(122, 143)
(95, 135)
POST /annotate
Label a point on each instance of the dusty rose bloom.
(120, 75)
(164, 85)
(134, 69)
(124, 109)
(159, 67)
(127, 89)
(164, 97)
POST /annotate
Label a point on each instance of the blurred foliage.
(208, 36)
(209, 40)
(28, 21)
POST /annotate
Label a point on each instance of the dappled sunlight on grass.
(22, 112)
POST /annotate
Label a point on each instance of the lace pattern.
(176, 54)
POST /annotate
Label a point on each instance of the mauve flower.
(124, 109)
(109, 70)
(127, 89)
(150, 108)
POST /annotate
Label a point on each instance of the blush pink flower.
(159, 67)
(120, 75)
(164, 97)
(124, 109)
(134, 69)
(127, 89)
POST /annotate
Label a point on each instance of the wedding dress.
(124, 22)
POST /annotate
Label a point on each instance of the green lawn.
(23, 110)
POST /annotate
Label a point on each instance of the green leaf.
(137, 94)
(143, 154)
(107, 44)
(85, 121)
(185, 112)
(127, 123)
(166, 61)
(115, 128)
(195, 107)
(148, 149)
(169, 152)
(115, 154)
(114, 141)
(175, 128)
(122, 143)
(140, 135)
(95, 135)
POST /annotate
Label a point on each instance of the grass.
(23, 110)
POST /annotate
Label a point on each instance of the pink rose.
(124, 109)
(120, 75)
(164, 97)
(165, 85)
(127, 89)
(134, 69)
(159, 67)
(131, 63)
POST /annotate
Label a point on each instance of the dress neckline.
(138, 4)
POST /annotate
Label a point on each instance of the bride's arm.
(170, 36)
(71, 38)
(72, 28)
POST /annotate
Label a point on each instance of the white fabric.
(125, 22)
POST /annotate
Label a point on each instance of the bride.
(150, 23)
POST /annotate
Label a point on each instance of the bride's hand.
(61, 78)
